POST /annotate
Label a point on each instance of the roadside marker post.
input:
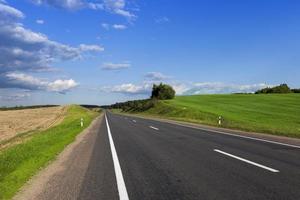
(220, 120)
(81, 122)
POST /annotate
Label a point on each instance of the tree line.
(159, 92)
(282, 88)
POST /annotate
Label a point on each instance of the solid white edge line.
(153, 128)
(247, 161)
(230, 134)
(123, 195)
(235, 135)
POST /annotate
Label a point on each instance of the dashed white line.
(247, 161)
(123, 195)
(154, 128)
(134, 121)
(235, 135)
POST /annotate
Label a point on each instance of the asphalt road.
(158, 160)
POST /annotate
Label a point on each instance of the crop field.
(20, 162)
(14, 122)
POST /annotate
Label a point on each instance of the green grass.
(272, 113)
(20, 162)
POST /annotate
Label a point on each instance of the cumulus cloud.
(156, 76)
(222, 88)
(23, 50)
(129, 88)
(115, 66)
(86, 48)
(67, 4)
(118, 7)
(114, 6)
(9, 13)
(40, 21)
(183, 88)
(62, 86)
(28, 82)
(95, 6)
(119, 26)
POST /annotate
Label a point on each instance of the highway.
(135, 158)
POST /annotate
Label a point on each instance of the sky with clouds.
(106, 51)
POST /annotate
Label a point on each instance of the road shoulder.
(62, 178)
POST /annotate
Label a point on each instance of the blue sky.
(103, 51)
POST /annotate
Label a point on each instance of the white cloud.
(162, 20)
(105, 26)
(24, 81)
(40, 21)
(85, 47)
(119, 26)
(67, 4)
(223, 88)
(114, 26)
(114, 6)
(22, 49)
(95, 6)
(182, 88)
(115, 66)
(62, 86)
(156, 76)
(8, 13)
(118, 7)
(129, 88)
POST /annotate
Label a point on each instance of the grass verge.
(20, 162)
(276, 114)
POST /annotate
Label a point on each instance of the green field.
(20, 162)
(272, 113)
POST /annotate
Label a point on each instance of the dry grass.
(14, 122)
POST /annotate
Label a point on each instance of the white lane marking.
(230, 134)
(134, 121)
(247, 161)
(240, 136)
(118, 172)
(154, 128)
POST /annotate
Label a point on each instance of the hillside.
(270, 113)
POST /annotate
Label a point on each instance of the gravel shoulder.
(62, 179)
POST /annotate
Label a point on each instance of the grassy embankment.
(20, 162)
(277, 114)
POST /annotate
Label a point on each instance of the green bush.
(162, 92)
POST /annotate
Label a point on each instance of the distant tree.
(162, 92)
(296, 90)
(282, 88)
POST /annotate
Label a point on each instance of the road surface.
(141, 159)
(165, 161)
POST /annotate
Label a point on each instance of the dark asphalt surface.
(177, 162)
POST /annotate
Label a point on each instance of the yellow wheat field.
(14, 122)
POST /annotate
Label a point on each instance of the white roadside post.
(81, 122)
(220, 120)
